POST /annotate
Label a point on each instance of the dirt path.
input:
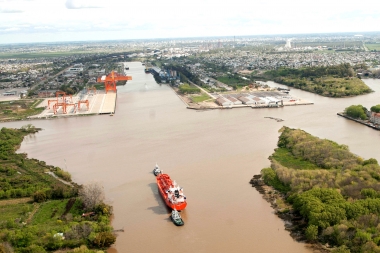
(35, 209)
(14, 201)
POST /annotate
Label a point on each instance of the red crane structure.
(111, 79)
(61, 101)
(83, 102)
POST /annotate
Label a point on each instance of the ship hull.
(163, 183)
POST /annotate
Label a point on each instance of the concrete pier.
(99, 103)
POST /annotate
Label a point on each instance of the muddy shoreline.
(293, 221)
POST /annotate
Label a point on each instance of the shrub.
(33, 249)
(62, 174)
(39, 196)
(104, 239)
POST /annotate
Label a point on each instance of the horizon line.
(197, 37)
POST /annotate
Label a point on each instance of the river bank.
(293, 222)
(366, 123)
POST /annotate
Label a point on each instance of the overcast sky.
(77, 20)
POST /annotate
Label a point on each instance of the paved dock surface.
(99, 103)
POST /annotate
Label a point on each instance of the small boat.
(147, 71)
(156, 170)
(126, 68)
(170, 191)
(176, 218)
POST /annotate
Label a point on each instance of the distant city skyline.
(26, 21)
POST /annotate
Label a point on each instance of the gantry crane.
(110, 80)
(61, 101)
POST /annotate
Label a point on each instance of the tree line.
(340, 71)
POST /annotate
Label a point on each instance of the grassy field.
(19, 109)
(375, 46)
(200, 98)
(285, 158)
(12, 212)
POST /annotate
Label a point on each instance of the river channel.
(211, 154)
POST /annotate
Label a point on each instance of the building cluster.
(166, 75)
(374, 118)
(240, 60)
(265, 99)
(206, 58)
(167, 53)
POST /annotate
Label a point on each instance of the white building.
(223, 102)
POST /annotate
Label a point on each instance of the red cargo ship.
(171, 192)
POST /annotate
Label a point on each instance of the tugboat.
(170, 191)
(156, 170)
(176, 218)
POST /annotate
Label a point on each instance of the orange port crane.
(110, 80)
(83, 102)
(62, 101)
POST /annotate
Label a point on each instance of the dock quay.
(368, 124)
(98, 103)
(200, 107)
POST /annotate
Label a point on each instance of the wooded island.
(336, 193)
(331, 81)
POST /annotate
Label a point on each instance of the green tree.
(356, 111)
(311, 232)
(375, 108)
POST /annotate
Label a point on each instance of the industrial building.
(375, 118)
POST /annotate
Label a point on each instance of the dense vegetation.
(331, 81)
(336, 192)
(40, 213)
(233, 80)
(356, 112)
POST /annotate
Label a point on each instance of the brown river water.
(211, 154)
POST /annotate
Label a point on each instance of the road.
(208, 93)
(50, 77)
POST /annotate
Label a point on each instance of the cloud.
(10, 7)
(3, 10)
(84, 4)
